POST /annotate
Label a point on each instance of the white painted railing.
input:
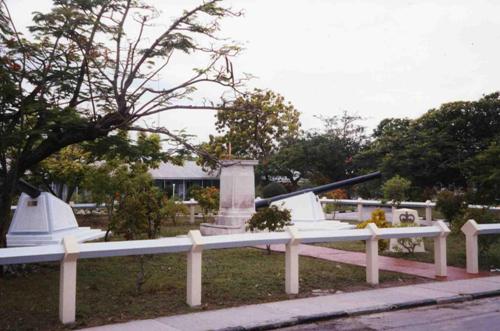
(194, 244)
(89, 205)
(472, 230)
(361, 203)
(190, 203)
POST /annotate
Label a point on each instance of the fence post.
(428, 211)
(194, 259)
(393, 211)
(67, 281)
(440, 249)
(360, 209)
(292, 262)
(372, 255)
(322, 201)
(191, 211)
(470, 229)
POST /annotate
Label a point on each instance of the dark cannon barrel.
(320, 189)
(27, 188)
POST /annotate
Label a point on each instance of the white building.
(179, 179)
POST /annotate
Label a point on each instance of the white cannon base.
(46, 220)
(81, 234)
(323, 226)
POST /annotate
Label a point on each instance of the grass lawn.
(106, 291)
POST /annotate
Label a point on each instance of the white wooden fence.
(194, 244)
(361, 203)
(472, 230)
(190, 203)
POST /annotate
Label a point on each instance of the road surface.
(477, 315)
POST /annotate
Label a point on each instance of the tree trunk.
(6, 195)
(70, 192)
(60, 189)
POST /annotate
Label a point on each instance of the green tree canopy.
(321, 156)
(71, 165)
(264, 122)
(437, 148)
(484, 174)
(85, 70)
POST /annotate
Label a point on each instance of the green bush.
(273, 189)
(270, 219)
(329, 208)
(396, 189)
(193, 191)
(451, 205)
(409, 244)
(208, 199)
(377, 217)
(172, 208)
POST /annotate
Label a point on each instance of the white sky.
(375, 58)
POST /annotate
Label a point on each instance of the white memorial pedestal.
(46, 220)
(405, 215)
(237, 198)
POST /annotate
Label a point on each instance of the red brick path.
(415, 268)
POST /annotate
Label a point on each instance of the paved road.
(475, 315)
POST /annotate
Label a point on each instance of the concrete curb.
(366, 311)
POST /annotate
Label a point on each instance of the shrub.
(407, 243)
(273, 189)
(208, 199)
(335, 195)
(270, 219)
(192, 191)
(172, 208)
(377, 217)
(330, 208)
(450, 204)
(396, 189)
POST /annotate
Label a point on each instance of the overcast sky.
(375, 58)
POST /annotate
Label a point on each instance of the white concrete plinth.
(208, 229)
(405, 215)
(303, 208)
(307, 213)
(46, 220)
(237, 198)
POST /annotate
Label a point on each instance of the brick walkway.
(415, 268)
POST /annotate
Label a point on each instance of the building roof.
(190, 170)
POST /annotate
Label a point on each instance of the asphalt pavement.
(477, 315)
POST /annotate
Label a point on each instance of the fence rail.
(472, 230)
(194, 244)
(378, 203)
(410, 204)
(360, 203)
